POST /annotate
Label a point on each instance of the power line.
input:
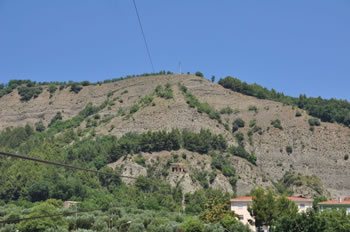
(59, 164)
(143, 35)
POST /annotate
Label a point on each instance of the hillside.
(282, 142)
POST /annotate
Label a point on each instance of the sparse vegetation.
(39, 126)
(328, 110)
(165, 92)
(227, 110)
(239, 139)
(314, 122)
(56, 118)
(52, 88)
(241, 152)
(28, 93)
(75, 88)
(202, 107)
(219, 162)
(277, 124)
(253, 109)
(289, 150)
(237, 123)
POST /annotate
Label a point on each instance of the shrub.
(89, 110)
(52, 88)
(166, 92)
(75, 88)
(193, 225)
(277, 124)
(346, 157)
(28, 93)
(202, 178)
(314, 122)
(199, 74)
(241, 152)
(289, 150)
(134, 108)
(253, 108)
(57, 117)
(39, 126)
(226, 110)
(298, 114)
(240, 138)
(238, 123)
(252, 123)
(140, 160)
(85, 83)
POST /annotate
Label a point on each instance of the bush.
(134, 108)
(39, 126)
(75, 88)
(277, 124)
(298, 114)
(199, 74)
(28, 93)
(193, 225)
(346, 157)
(166, 92)
(240, 138)
(289, 150)
(241, 152)
(253, 108)
(52, 88)
(314, 122)
(57, 117)
(226, 110)
(238, 123)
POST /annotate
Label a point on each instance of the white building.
(339, 203)
(240, 206)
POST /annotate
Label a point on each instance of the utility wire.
(143, 35)
(59, 164)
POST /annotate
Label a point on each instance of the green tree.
(263, 208)
(193, 225)
(49, 207)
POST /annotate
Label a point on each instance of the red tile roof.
(243, 198)
(293, 198)
(335, 202)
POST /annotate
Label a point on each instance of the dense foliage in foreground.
(30, 189)
(280, 214)
(328, 110)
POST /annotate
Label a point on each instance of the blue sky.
(293, 46)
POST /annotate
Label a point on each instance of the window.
(241, 217)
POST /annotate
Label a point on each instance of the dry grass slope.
(320, 152)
